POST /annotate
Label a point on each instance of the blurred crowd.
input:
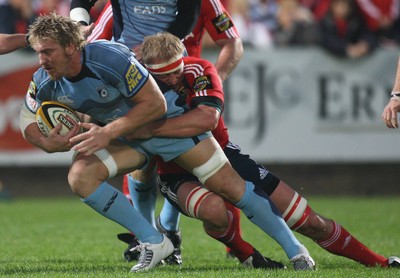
(17, 15)
(345, 28)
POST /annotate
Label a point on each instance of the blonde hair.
(161, 47)
(59, 28)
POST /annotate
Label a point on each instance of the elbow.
(163, 108)
(239, 50)
(160, 109)
(211, 124)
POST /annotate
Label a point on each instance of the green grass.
(65, 238)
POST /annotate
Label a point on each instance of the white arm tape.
(26, 117)
(212, 166)
(79, 14)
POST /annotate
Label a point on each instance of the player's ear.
(70, 49)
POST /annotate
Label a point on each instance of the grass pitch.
(65, 238)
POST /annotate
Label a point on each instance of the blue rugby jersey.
(135, 19)
(110, 76)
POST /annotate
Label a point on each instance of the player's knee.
(213, 213)
(316, 227)
(300, 217)
(84, 176)
(77, 178)
(206, 206)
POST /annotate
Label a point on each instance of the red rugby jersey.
(201, 80)
(215, 19)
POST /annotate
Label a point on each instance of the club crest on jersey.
(32, 90)
(202, 83)
(102, 92)
(222, 23)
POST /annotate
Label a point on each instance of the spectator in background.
(382, 17)
(318, 7)
(60, 7)
(15, 16)
(296, 25)
(343, 31)
(255, 20)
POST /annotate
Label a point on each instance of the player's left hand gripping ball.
(51, 113)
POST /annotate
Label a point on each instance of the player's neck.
(75, 64)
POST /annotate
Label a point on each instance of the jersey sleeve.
(118, 67)
(30, 98)
(217, 21)
(103, 29)
(205, 84)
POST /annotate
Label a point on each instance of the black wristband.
(83, 23)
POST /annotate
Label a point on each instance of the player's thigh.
(117, 158)
(147, 173)
(126, 158)
(198, 155)
(213, 169)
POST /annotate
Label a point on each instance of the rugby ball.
(51, 113)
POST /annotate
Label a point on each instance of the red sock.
(342, 243)
(125, 188)
(236, 212)
(232, 237)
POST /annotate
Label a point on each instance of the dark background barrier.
(308, 179)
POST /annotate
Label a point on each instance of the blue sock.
(169, 217)
(144, 197)
(258, 208)
(111, 203)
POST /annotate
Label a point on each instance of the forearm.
(150, 105)
(172, 127)
(33, 135)
(12, 42)
(396, 86)
(194, 122)
(188, 13)
(230, 54)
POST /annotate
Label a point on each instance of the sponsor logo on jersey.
(202, 83)
(32, 90)
(65, 99)
(133, 77)
(148, 10)
(31, 103)
(222, 23)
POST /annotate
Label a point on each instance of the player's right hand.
(389, 115)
